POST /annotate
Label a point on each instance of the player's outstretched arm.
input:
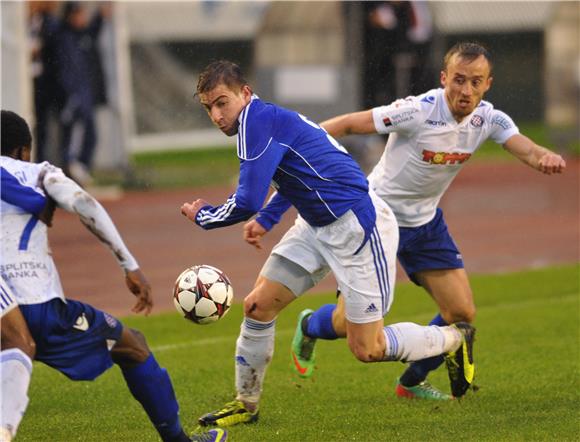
(348, 124)
(534, 155)
(72, 198)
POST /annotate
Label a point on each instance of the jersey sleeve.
(72, 198)
(271, 214)
(400, 116)
(259, 155)
(20, 195)
(502, 127)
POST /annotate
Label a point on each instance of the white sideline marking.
(207, 341)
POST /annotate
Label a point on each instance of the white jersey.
(26, 263)
(426, 149)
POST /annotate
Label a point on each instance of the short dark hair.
(469, 51)
(220, 72)
(14, 132)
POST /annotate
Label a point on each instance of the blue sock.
(151, 386)
(418, 371)
(320, 323)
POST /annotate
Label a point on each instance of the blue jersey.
(306, 166)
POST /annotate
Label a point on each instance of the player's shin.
(15, 371)
(254, 350)
(408, 342)
(151, 386)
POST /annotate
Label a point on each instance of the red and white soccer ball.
(202, 294)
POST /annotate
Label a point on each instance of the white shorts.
(367, 279)
(7, 298)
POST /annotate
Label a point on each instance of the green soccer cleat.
(233, 413)
(424, 390)
(213, 435)
(302, 350)
(459, 363)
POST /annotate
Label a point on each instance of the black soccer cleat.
(460, 365)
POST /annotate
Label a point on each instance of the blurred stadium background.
(308, 56)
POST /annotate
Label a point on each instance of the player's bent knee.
(26, 344)
(131, 348)
(465, 314)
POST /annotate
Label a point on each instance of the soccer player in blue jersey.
(341, 227)
(432, 136)
(73, 337)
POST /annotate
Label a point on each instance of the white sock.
(15, 371)
(254, 350)
(410, 342)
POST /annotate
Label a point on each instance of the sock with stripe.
(254, 351)
(408, 342)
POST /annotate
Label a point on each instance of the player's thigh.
(267, 299)
(73, 337)
(451, 291)
(15, 333)
(366, 341)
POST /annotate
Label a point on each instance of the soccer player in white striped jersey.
(431, 138)
(74, 338)
(342, 227)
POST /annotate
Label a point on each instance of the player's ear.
(247, 92)
(489, 82)
(443, 78)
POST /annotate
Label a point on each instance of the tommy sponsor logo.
(476, 121)
(81, 323)
(436, 123)
(387, 122)
(372, 308)
(445, 157)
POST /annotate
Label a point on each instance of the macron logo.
(81, 323)
(372, 308)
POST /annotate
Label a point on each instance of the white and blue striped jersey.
(26, 263)
(306, 166)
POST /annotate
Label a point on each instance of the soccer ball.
(202, 294)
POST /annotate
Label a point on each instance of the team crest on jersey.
(441, 158)
(476, 121)
(429, 99)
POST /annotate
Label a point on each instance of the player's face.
(465, 84)
(224, 105)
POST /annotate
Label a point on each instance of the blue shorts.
(428, 247)
(72, 337)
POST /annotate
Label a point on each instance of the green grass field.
(527, 356)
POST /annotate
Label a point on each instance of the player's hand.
(551, 163)
(190, 209)
(253, 232)
(139, 286)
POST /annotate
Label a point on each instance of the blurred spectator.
(81, 76)
(397, 45)
(48, 95)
